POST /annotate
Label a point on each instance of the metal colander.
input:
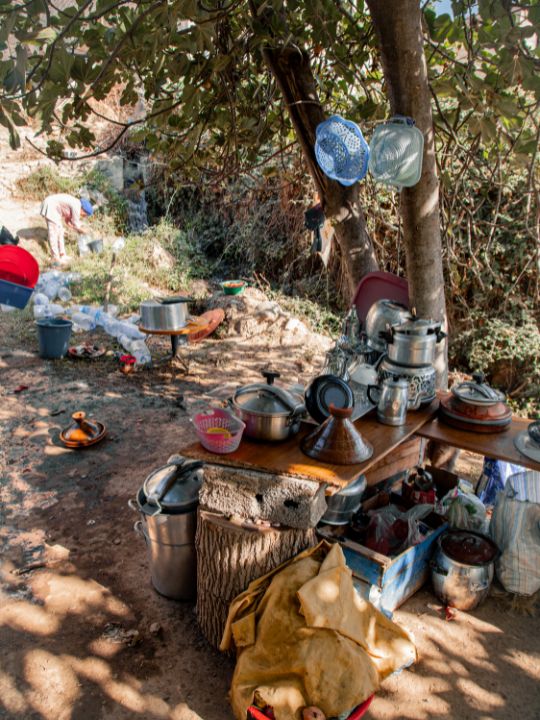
(341, 150)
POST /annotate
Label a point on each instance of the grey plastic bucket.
(96, 246)
(53, 337)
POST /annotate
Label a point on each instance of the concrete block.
(278, 499)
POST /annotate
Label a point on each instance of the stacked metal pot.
(409, 345)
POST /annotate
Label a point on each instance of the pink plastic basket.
(216, 443)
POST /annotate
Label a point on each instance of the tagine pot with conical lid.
(337, 441)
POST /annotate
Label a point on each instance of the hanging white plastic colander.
(396, 152)
(341, 150)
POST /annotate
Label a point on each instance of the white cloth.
(62, 208)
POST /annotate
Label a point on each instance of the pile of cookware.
(475, 406)
(528, 441)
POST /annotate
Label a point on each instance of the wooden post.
(230, 556)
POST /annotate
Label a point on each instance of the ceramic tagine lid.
(337, 441)
(82, 431)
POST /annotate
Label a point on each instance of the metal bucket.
(173, 568)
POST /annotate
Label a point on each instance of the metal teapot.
(391, 400)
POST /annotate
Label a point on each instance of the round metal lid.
(418, 326)
(469, 548)
(477, 392)
(174, 488)
(267, 398)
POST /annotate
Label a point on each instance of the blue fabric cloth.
(495, 474)
(86, 206)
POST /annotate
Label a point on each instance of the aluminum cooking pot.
(268, 411)
(165, 313)
(413, 343)
(381, 314)
(342, 505)
(462, 568)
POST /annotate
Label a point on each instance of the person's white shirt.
(62, 208)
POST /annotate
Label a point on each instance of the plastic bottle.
(51, 289)
(130, 330)
(112, 310)
(83, 321)
(73, 277)
(40, 298)
(64, 294)
(41, 311)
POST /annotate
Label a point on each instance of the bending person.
(60, 209)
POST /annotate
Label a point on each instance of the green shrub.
(44, 181)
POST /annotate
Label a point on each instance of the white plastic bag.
(463, 510)
(515, 528)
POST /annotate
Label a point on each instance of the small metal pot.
(460, 581)
(342, 506)
(269, 412)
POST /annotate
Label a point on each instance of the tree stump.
(229, 556)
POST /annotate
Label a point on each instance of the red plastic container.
(18, 266)
(216, 442)
(379, 286)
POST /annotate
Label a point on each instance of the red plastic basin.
(18, 266)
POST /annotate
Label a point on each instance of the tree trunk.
(291, 68)
(399, 28)
(229, 557)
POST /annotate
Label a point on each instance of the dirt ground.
(85, 637)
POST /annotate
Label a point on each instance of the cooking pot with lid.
(268, 411)
(462, 568)
(413, 343)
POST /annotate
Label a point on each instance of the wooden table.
(288, 459)
(499, 446)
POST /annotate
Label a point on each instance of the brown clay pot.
(337, 441)
(82, 432)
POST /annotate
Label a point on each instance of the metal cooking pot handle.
(414, 401)
(437, 568)
(372, 400)
(133, 504)
(137, 526)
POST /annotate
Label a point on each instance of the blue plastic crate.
(14, 295)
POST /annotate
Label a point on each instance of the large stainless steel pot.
(164, 314)
(381, 314)
(462, 568)
(268, 411)
(413, 343)
(342, 506)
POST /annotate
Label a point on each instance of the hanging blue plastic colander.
(341, 151)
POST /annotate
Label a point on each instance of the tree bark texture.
(398, 24)
(292, 71)
(229, 557)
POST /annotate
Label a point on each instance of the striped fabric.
(515, 527)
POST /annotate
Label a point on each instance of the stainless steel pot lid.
(477, 392)
(418, 326)
(173, 488)
(267, 398)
